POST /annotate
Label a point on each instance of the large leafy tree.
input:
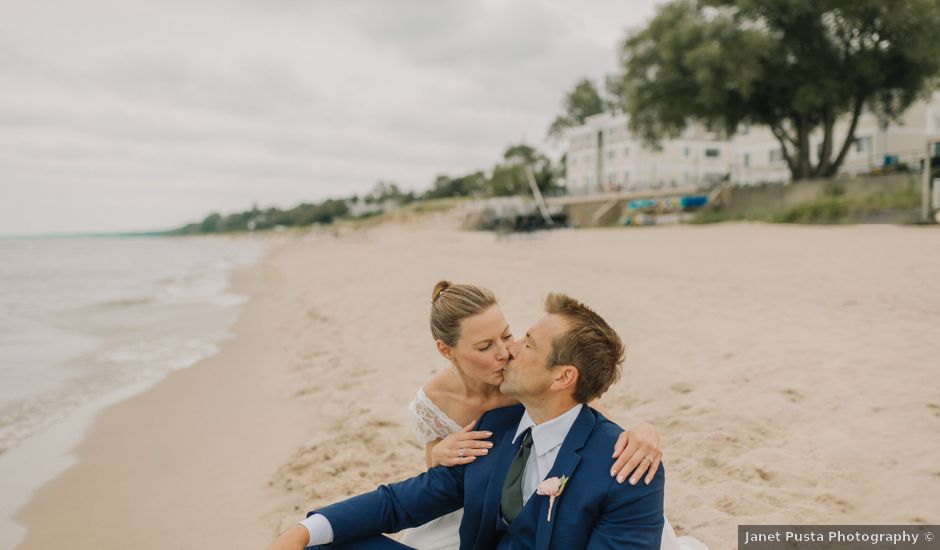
(795, 66)
(581, 102)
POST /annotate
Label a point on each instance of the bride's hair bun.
(439, 289)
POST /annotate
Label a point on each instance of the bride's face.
(482, 350)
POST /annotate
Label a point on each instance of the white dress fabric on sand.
(428, 422)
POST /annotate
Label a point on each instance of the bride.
(472, 334)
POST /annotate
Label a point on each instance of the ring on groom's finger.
(648, 459)
(460, 453)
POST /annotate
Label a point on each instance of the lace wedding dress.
(428, 422)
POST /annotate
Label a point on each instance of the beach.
(791, 371)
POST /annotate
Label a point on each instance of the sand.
(792, 372)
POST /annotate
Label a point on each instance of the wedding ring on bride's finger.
(460, 452)
(648, 459)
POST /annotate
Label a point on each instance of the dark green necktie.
(512, 488)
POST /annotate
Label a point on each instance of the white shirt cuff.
(319, 528)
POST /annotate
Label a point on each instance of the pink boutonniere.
(552, 488)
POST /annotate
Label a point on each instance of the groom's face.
(527, 373)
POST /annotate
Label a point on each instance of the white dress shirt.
(547, 438)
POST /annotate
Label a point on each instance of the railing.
(909, 157)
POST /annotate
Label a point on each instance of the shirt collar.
(548, 435)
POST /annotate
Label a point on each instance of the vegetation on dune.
(832, 207)
(506, 178)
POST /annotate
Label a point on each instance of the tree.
(507, 180)
(211, 224)
(795, 66)
(464, 186)
(580, 103)
(509, 177)
(389, 191)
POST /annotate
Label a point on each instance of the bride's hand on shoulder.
(637, 450)
(462, 447)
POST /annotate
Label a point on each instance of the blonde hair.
(452, 303)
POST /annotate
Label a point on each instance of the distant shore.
(789, 369)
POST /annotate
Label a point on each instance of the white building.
(602, 154)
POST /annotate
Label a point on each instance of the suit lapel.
(489, 515)
(565, 464)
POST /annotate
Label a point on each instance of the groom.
(570, 357)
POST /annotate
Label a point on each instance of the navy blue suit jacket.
(594, 511)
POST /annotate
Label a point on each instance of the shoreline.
(204, 310)
(52, 456)
(767, 356)
(41, 458)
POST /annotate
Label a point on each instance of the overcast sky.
(126, 115)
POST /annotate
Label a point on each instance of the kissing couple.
(536, 469)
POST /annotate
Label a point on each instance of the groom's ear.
(566, 377)
(445, 350)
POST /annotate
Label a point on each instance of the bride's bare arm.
(596, 405)
(428, 450)
(638, 450)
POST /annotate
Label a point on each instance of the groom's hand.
(295, 538)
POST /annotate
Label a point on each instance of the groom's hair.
(589, 344)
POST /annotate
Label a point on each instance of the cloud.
(461, 35)
(160, 113)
